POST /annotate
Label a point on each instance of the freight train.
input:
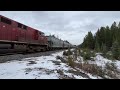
(56, 43)
(17, 37)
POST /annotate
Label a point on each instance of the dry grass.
(98, 71)
(78, 73)
(67, 53)
(91, 68)
(71, 61)
(111, 66)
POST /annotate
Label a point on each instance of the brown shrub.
(71, 62)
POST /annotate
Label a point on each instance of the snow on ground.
(17, 69)
(47, 67)
(100, 61)
(42, 67)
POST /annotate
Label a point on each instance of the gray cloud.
(67, 25)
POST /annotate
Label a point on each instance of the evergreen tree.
(108, 39)
(97, 46)
(104, 49)
(104, 39)
(114, 26)
(88, 41)
(119, 25)
(116, 50)
(113, 31)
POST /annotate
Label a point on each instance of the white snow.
(101, 61)
(43, 69)
(16, 69)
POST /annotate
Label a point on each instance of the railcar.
(67, 44)
(55, 43)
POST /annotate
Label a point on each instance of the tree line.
(105, 39)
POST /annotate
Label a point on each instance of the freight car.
(55, 43)
(15, 36)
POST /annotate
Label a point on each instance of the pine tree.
(88, 41)
(114, 26)
(103, 39)
(116, 50)
(119, 25)
(104, 49)
(108, 41)
(97, 46)
(113, 31)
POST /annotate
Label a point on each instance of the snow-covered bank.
(22, 69)
(50, 67)
(43, 67)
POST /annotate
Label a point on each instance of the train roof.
(58, 38)
(20, 23)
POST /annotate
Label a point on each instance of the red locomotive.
(15, 36)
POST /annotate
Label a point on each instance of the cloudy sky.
(67, 25)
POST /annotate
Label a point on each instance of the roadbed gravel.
(19, 57)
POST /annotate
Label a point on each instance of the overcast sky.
(67, 25)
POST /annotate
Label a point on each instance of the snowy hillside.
(49, 67)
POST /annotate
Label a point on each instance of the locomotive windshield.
(41, 33)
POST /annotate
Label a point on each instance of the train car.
(67, 44)
(15, 36)
(55, 43)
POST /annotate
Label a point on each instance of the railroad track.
(20, 56)
(24, 53)
(5, 54)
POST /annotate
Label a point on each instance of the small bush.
(111, 66)
(87, 54)
(92, 68)
(58, 57)
(61, 58)
(110, 70)
(79, 51)
(71, 62)
(60, 72)
(67, 53)
(108, 55)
